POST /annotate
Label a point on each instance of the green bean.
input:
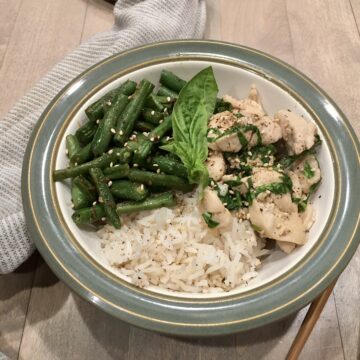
(164, 91)
(86, 187)
(152, 116)
(124, 189)
(79, 198)
(72, 145)
(152, 202)
(105, 196)
(171, 81)
(104, 133)
(147, 144)
(168, 181)
(166, 100)
(153, 103)
(97, 110)
(167, 165)
(89, 215)
(118, 171)
(117, 155)
(126, 121)
(86, 132)
(144, 126)
(83, 155)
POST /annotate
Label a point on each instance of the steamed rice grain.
(175, 250)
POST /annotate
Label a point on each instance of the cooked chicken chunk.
(215, 164)
(298, 133)
(254, 94)
(308, 172)
(277, 224)
(213, 204)
(270, 130)
(262, 176)
(227, 143)
(286, 247)
(308, 216)
(296, 186)
(243, 187)
(222, 121)
(247, 107)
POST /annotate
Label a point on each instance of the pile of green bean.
(116, 166)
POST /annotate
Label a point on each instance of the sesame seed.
(76, 164)
(158, 171)
(231, 192)
(97, 121)
(135, 165)
(135, 132)
(108, 103)
(72, 206)
(113, 131)
(153, 112)
(168, 99)
(142, 186)
(103, 218)
(94, 203)
(156, 165)
(116, 165)
(152, 139)
(110, 151)
(121, 132)
(129, 97)
(100, 200)
(109, 183)
(167, 138)
(165, 109)
(111, 164)
(249, 153)
(212, 183)
(126, 144)
(225, 204)
(248, 216)
(161, 121)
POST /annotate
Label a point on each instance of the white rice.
(174, 249)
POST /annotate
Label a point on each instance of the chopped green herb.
(222, 106)
(256, 228)
(308, 171)
(211, 223)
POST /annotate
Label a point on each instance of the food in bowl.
(236, 178)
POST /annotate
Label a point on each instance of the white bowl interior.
(236, 82)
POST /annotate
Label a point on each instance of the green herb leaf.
(190, 117)
(209, 220)
(308, 171)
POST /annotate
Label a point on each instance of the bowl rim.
(168, 315)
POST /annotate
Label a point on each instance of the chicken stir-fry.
(262, 169)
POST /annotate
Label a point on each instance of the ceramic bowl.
(285, 283)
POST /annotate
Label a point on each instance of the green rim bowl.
(330, 249)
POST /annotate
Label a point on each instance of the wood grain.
(8, 15)
(60, 325)
(45, 31)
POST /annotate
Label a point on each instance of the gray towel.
(136, 22)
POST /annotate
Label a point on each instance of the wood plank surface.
(319, 37)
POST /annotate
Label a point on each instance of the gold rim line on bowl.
(174, 297)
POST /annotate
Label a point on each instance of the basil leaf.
(209, 220)
(190, 117)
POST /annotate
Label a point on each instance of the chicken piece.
(284, 202)
(298, 133)
(227, 143)
(286, 247)
(308, 172)
(262, 176)
(270, 130)
(215, 164)
(222, 121)
(247, 107)
(296, 186)
(276, 224)
(308, 217)
(254, 94)
(213, 204)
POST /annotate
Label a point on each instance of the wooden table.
(39, 317)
